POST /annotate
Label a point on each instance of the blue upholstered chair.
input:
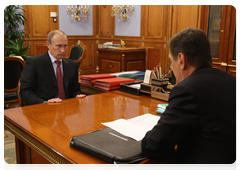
(78, 54)
(13, 67)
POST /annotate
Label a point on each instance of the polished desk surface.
(55, 124)
(144, 96)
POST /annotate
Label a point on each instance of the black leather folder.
(109, 145)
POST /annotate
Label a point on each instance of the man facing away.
(50, 77)
(201, 116)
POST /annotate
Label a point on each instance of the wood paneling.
(185, 16)
(39, 21)
(156, 22)
(156, 55)
(105, 21)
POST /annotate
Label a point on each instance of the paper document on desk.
(136, 127)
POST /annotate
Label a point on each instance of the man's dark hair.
(194, 44)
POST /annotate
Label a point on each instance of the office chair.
(78, 54)
(13, 67)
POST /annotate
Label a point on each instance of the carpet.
(9, 147)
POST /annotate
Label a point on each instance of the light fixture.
(122, 12)
(78, 11)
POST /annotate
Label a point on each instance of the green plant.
(14, 16)
(16, 49)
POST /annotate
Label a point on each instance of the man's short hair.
(194, 44)
(52, 33)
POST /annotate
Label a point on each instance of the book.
(91, 78)
(96, 76)
(106, 87)
(111, 82)
(87, 82)
(109, 145)
(135, 76)
(161, 108)
(132, 87)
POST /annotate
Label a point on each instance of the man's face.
(59, 46)
(175, 67)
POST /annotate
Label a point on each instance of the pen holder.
(159, 93)
(161, 82)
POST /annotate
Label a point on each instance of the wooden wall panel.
(157, 55)
(105, 21)
(89, 62)
(156, 21)
(39, 21)
(185, 16)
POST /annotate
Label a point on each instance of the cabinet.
(121, 59)
(222, 37)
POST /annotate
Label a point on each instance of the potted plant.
(16, 49)
(14, 16)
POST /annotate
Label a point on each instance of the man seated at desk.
(201, 116)
(50, 77)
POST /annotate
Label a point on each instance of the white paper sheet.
(135, 128)
(147, 76)
(136, 86)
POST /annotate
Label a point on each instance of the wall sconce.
(78, 11)
(122, 12)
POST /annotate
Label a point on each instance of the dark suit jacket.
(39, 83)
(200, 119)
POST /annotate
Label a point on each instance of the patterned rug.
(9, 147)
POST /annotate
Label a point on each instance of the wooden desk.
(43, 131)
(144, 97)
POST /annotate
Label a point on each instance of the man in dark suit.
(201, 116)
(50, 77)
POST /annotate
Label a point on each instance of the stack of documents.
(111, 83)
(91, 79)
(135, 128)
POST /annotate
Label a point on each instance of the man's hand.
(55, 100)
(81, 96)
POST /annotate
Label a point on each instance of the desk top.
(55, 124)
(144, 97)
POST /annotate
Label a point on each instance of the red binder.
(112, 82)
(96, 76)
(106, 88)
(91, 78)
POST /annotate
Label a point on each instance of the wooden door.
(231, 60)
(221, 32)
